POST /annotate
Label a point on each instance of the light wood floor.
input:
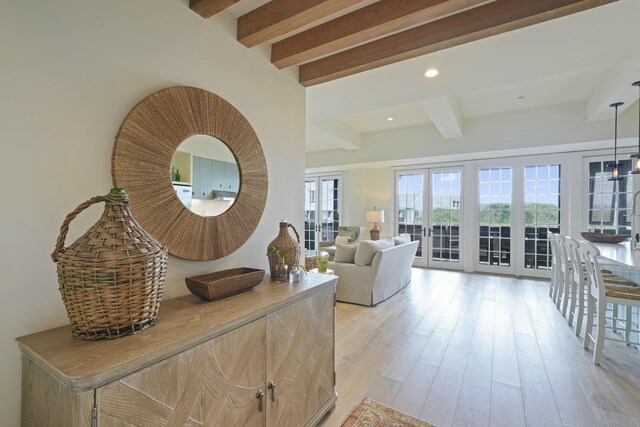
(472, 349)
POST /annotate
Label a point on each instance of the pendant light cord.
(638, 84)
(615, 140)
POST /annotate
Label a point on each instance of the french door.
(519, 208)
(495, 221)
(429, 208)
(321, 210)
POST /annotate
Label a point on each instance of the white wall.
(353, 204)
(378, 193)
(71, 71)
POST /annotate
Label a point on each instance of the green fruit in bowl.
(118, 190)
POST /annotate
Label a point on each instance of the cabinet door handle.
(272, 387)
(260, 397)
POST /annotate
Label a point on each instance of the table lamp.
(377, 218)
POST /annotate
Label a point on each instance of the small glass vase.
(295, 275)
(282, 272)
(322, 267)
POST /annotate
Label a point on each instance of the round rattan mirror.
(141, 164)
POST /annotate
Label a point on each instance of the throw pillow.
(345, 253)
(349, 233)
(342, 240)
(367, 249)
(388, 241)
(402, 238)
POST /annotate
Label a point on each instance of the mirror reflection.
(205, 175)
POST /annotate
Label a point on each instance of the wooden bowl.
(604, 238)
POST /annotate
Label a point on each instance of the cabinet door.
(207, 168)
(226, 176)
(213, 384)
(300, 360)
(198, 178)
(235, 178)
(216, 175)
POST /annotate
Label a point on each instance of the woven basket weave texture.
(111, 278)
(221, 284)
(284, 243)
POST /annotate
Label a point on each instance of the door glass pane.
(310, 194)
(329, 209)
(541, 213)
(410, 206)
(495, 217)
(445, 216)
(609, 201)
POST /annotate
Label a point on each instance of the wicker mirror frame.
(141, 162)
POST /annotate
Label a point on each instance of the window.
(609, 201)
(541, 213)
(495, 217)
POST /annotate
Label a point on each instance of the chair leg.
(572, 304)
(627, 324)
(600, 331)
(589, 328)
(580, 311)
(565, 296)
(559, 292)
(615, 318)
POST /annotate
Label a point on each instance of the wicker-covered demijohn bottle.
(285, 244)
(111, 278)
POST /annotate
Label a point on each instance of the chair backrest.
(356, 233)
(596, 282)
(572, 248)
(553, 242)
(563, 256)
(590, 246)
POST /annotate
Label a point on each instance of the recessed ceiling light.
(431, 72)
(390, 119)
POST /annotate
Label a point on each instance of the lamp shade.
(375, 216)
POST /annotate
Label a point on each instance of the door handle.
(272, 387)
(260, 397)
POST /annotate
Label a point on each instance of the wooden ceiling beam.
(208, 8)
(279, 17)
(484, 21)
(368, 23)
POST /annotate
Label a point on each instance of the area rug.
(373, 414)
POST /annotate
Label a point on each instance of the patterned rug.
(373, 414)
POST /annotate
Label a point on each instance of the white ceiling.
(592, 56)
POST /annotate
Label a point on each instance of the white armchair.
(355, 233)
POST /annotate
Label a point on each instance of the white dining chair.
(573, 268)
(599, 295)
(556, 270)
(565, 273)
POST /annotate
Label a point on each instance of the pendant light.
(635, 168)
(615, 171)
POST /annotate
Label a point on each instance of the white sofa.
(388, 272)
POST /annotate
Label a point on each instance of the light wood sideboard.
(260, 358)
